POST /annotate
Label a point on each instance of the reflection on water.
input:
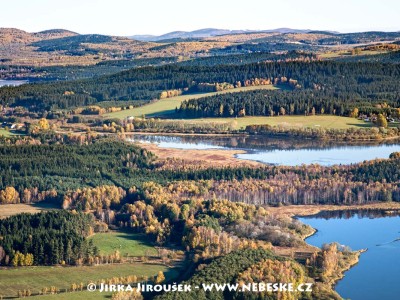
(348, 214)
(12, 82)
(325, 156)
(174, 142)
(279, 151)
(376, 275)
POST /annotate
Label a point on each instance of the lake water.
(377, 274)
(277, 151)
(12, 82)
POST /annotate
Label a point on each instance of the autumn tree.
(20, 259)
(354, 113)
(221, 110)
(9, 196)
(160, 277)
(43, 124)
(313, 111)
(381, 121)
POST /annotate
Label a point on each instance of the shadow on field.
(366, 125)
(141, 238)
(46, 205)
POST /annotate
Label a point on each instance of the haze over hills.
(209, 32)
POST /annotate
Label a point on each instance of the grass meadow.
(168, 105)
(35, 278)
(128, 244)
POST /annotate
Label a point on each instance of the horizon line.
(188, 31)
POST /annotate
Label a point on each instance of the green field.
(319, 121)
(347, 53)
(167, 106)
(36, 278)
(4, 132)
(84, 295)
(126, 243)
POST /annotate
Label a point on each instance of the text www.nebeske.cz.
(250, 287)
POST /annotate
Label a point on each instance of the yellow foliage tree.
(381, 121)
(160, 277)
(29, 259)
(43, 124)
(9, 196)
(354, 113)
(20, 259)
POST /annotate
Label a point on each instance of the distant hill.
(72, 44)
(287, 30)
(65, 42)
(8, 35)
(64, 47)
(13, 35)
(58, 31)
(57, 47)
(54, 34)
(207, 32)
(201, 33)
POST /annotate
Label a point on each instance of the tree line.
(298, 102)
(46, 238)
(68, 166)
(31, 173)
(350, 134)
(353, 81)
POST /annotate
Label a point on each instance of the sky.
(129, 17)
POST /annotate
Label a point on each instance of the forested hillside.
(63, 167)
(298, 102)
(71, 44)
(74, 72)
(248, 58)
(346, 81)
(65, 73)
(46, 238)
(391, 57)
(31, 173)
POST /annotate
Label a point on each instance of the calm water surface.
(279, 152)
(377, 274)
(12, 82)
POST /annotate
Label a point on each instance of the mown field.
(128, 244)
(81, 295)
(35, 278)
(347, 53)
(319, 121)
(323, 121)
(7, 210)
(4, 132)
(167, 106)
